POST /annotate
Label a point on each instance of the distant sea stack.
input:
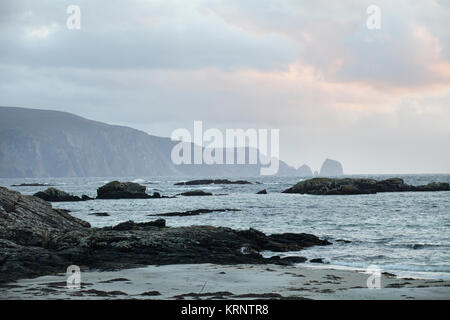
(304, 171)
(331, 168)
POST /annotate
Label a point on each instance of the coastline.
(212, 281)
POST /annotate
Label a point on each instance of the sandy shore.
(209, 281)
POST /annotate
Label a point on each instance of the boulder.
(99, 214)
(122, 190)
(30, 185)
(211, 181)
(195, 193)
(56, 195)
(348, 186)
(29, 220)
(191, 212)
(131, 225)
(317, 260)
(262, 192)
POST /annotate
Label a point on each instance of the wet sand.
(209, 281)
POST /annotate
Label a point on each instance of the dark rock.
(433, 186)
(150, 293)
(85, 197)
(343, 241)
(55, 195)
(36, 239)
(122, 190)
(195, 193)
(331, 168)
(156, 195)
(211, 181)
(348, 186)
(317, 260)
(27, 227)
(191, 212)
(115, 280)
(99, 214)
(289, 260)
(30, 185)
(262, 192)
(131, 225)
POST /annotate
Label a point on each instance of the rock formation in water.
(194, 193)
(36, 239)
(211, 181)
(56, 195)
(122, 190)
(304, 171)
(331, 168)
(347, 186)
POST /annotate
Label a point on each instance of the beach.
(212, 281)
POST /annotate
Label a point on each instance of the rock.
(30, 185)
(331, 168)
(262, 192)
(304, 171)
(343, 241)
(195, 193)
(288, 260)
(433, 186)
(99, 214)
(211, 181)
(85, 197)
(36, 239)
(150, 293)
(317, 260)
(348, 186)
(122, 190)
(27, 227)
(130, 225)
(191, 212)
(55, 195)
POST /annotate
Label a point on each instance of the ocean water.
(403, 233)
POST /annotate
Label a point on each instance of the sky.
(377, 100)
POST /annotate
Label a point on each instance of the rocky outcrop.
(36, 239)
(56, 195)
(264, 191)
(194, 193)
(211, 181)
(331, 168)
(122, 190)
(30, 185)
(304, 171)
(33, 216)
(192, 212)
(347, 186)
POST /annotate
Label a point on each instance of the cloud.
(311, 68)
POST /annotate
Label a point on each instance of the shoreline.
(212, 281)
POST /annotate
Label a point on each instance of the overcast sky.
(376, 100)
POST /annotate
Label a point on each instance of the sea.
(405, 233)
